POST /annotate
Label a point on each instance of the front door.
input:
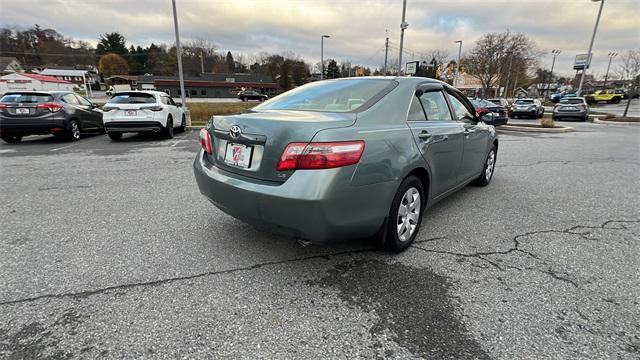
(437, 136)
(476, 136)
(93, 117)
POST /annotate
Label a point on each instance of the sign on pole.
(411, 67)
(581, 61)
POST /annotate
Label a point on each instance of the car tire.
(11, 138)
(115, 136)
(73, 133)
(244, 99)
(409, 197)
(183, 124)
(489, 168)
(616, 100)
(167, 132)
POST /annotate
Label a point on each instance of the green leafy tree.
(111, 43)
(231, 64)
(332, 70)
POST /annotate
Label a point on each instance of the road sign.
(411, 68)
(581, 61)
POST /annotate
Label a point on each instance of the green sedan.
(347, 158)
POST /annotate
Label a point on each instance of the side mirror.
(179, 104)
(94, 105)
(488, 118)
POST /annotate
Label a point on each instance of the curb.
(598, 121)
(508, 127)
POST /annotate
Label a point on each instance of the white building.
(36, 82)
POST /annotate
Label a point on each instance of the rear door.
(173, 110)
(476, 135)
(77, 111)
(438, 137)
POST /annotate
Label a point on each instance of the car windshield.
(132, 98)
(26, 98)
(330, 95)
(524, 102)
(571, 101)
(482, 103)
(496, 101)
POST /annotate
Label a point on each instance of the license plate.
(238, 155)
(131, 112)
(572, 108)
(22, 111)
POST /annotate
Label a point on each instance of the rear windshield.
(132, 98)
(571, 101)
(26, 98)
(496, 101)
(330, 95)
(523, 102)
(481, 103)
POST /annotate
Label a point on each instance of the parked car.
(347, 158)
(500, 102)
(61, 113)
(143, 111)
(571, 108)
(117, 88)
(501, 113)
(611, 96)
(561, 95)
(251, 95)
(531, 108)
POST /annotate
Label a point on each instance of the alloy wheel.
(75, 130)
(408, 214)
(491, 162)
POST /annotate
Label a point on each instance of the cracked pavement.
(109, 251)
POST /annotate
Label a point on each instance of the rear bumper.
(25, 126)
(133, 126)
(317, 205)
(524, 112)
(500, 121)
(570, 114)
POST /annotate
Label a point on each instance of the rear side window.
(26, 98)
(435, 106)
(133, 98)
(331, 96)
(415, 111)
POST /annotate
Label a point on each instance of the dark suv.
(61, 113)
(251, 95)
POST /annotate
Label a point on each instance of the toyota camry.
(347, 158)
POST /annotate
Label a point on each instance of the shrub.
(547, 123)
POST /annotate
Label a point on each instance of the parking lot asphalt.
(108, 250)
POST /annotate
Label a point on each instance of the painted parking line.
(76, 143)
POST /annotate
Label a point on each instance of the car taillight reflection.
(320, 155)
(51, 106)
(205, 141)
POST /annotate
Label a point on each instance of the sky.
(357, 28)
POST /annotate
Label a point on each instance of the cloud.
(357, 28)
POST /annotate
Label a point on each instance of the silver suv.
(531, 108)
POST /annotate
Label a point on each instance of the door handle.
(424, 135)
(469, 131)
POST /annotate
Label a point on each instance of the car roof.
(50, 92)
(148, 92)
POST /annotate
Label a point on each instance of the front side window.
(331, 95)
(70, 99)
(83, 101)
(435, 106)
(461, 111)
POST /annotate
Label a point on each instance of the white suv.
(142, 111)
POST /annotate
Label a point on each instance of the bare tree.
(629, 70)
(500, 58)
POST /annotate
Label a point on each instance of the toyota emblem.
(235, 131)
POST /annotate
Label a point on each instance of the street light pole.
(606, 76)
(553, 63)
(386, 51)
(455, 78)
(403, 26)
(179, 54)
(322, 55)
(506, 86)
(593, 37)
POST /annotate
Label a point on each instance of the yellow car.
(610, 96)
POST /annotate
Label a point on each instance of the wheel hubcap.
(75, 130)
(408, 214)
(491, 161)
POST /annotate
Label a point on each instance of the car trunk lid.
(251, 144)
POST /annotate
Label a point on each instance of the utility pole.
(386, 52)
(403, 26)
(179, 54)
(201, 63)
(455, 78)
(553, 63)
(322, 55)
(593, 37)
(606, 77)
(506, 86)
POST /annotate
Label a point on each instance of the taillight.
(152, 108)
(320, 155)
(205, 141)
(480, 111)
(51, 106)
(3, 106)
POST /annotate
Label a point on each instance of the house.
(209, 85)
(472, 86)
(35, 82)
(9, 65)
